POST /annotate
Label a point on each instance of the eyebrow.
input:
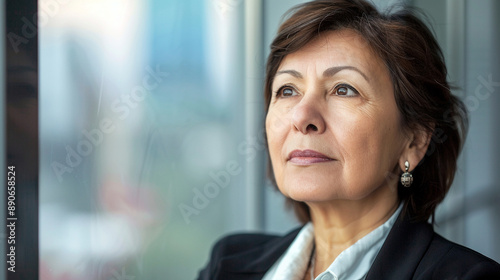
(334, 70)
(294, 73)
(327, 73)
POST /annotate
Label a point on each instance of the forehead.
(344, 47)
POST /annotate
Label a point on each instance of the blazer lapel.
(398, 258)
(254, 264)
(402, 251)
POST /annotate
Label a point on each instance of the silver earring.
(407, 178)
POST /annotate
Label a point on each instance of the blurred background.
(151, 131)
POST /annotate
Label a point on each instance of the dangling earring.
(407, 178)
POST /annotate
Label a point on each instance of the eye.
(345, 90)
(286, 91)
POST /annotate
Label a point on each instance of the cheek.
(277, 120)
(369, 144)
(277, 128)
(275, 132)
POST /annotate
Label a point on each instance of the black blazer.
(411, 251)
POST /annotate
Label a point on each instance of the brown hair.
(418, 72)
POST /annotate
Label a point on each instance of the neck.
(341, 223)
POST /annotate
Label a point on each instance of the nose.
(307, 116)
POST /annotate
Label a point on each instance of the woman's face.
(333, 126)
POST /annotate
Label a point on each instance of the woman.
(363, 136)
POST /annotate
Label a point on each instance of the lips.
(307, 157)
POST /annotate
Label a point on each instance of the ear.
(415, 148)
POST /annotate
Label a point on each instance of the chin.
(309, 190)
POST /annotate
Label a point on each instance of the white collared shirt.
(352, 264)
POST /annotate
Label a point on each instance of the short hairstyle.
(418, 73)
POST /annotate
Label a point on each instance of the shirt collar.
(352, 264)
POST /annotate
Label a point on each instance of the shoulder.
(243, 253)
(413, 250)
(238, 243)
(447, 260)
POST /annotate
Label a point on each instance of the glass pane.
(141, 118)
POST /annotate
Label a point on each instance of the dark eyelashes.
(347, 86)
(279, 92)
